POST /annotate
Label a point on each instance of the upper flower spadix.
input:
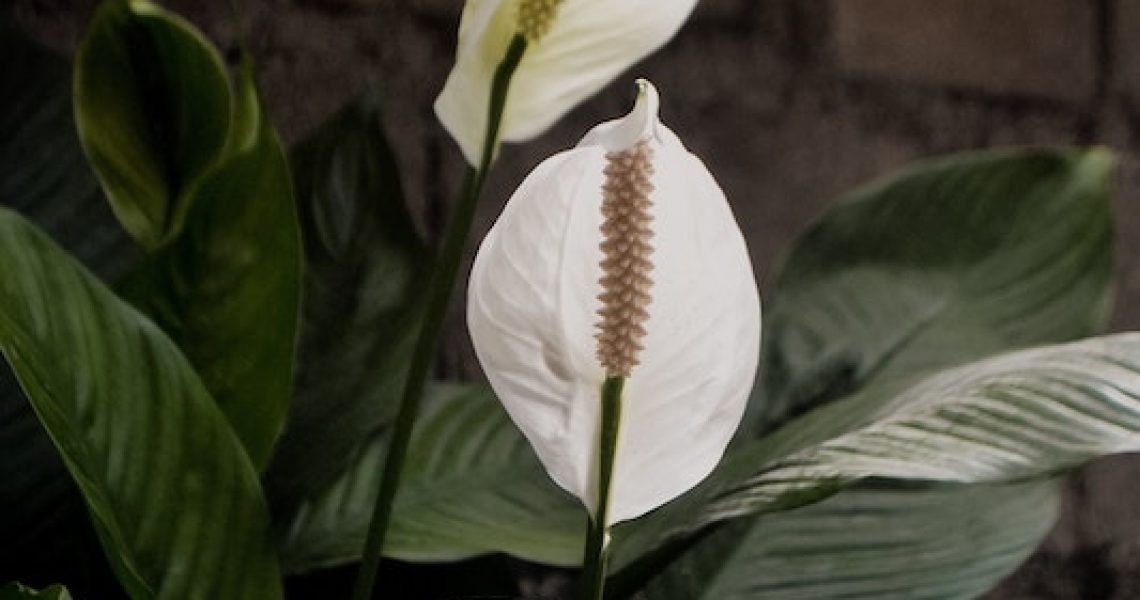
(620, 257)
(575, 47)
(536, 17)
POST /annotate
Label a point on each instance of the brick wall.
(790, 102)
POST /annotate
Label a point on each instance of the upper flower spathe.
(575, 47)
(665, 278)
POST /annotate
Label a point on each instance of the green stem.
(440, 288)
(597, 540)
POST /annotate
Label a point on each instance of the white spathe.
(588, 44)
(532, 303)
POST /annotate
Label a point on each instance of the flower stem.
(597, 540)
(440, 288)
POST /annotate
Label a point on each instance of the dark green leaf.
(364, 262)
(947, 262)
(227, 289)
(1012, 417)
(872, 542)
(44, 175)
(471, 485)
(172, 495)
(16, 591)
(153, 109)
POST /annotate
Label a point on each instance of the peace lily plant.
(520, 65)
(216, 350)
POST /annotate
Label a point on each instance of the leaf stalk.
(440, 288)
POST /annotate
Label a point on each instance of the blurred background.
(791, 103)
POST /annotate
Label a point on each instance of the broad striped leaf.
(471, 485)
(1017, 416)
(45, 177)
(945, 262)
(172, 494)
(872, 542)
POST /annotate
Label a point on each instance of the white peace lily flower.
(620, 257)
(574, 48)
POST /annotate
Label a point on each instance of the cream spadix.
(574, 48)
(620, 257)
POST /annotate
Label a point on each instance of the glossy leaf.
(172, 495)
(471, 485)
(153, 108)
(1013, 417)
(872, 542)
(227, 288)
(364, 261)
(16, 591)
(44, 176)
(944, 263)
